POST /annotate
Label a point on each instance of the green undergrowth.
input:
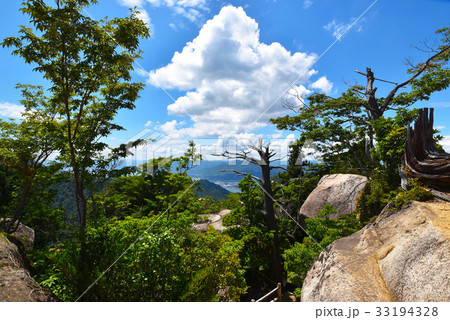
(322, 232)
(416, 193)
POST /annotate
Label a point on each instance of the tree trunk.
(265, 155)
(422, 159)
(276, 267)
(82, 213)
(20, 208)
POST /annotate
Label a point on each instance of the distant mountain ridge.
(213, 172)
(208, 188)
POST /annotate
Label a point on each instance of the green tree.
(163, 261)
(88, 65)
(265, 162)
(353, 131)
(247, 225)
(25, 149)
(148, 192)
(322, 232)
(189, 159)
(6, 188)
(292, 186)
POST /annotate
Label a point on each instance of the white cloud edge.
(445, 142)
(338, 29)
(11, 110)
(323, 84)
(307, 4)
(190, 9)
(220, 95)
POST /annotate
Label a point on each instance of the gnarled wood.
(422, 159)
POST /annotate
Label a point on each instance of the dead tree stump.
(422, 159)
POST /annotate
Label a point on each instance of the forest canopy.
(105, 232)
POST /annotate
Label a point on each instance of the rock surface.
(214, 220)
(24, 234)
(16, 284)
(339, 190)
(402, 256)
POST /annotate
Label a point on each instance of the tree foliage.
(358, 132)
(246, 224)
(189, 159)
(25, 150)
(88, 64)
(355, 132)
(322, 231)
(265, 162)
(163, 260)
(136, 240)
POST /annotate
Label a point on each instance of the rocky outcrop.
(16, 284)
(339, 190)
(24, 234)
(214, 220)
(401, 256)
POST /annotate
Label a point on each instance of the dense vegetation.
(126, 234)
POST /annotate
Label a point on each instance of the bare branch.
(296, 108)
(418, 73)
(271, 154)
(409, 62)
(234, 155)
(278, 159)
(426, 47)
(258, 149)
(365, 74)
(349, 84)
(360, 72)
(277, 167)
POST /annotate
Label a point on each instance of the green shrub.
(247, 227)
(170, 262)
(372, 200)
(416, 193)
(322, 232)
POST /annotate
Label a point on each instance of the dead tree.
(422, 160)
(264, 161)
(373, 106)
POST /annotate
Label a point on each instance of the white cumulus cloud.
(323, 84)
(445, 142)
(230, 78)
(11, 110)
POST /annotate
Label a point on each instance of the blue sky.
(216, 70)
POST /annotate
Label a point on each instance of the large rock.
(339, 190)
(214, 220)
(24, 234)
(402, 256)
(16, 284)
